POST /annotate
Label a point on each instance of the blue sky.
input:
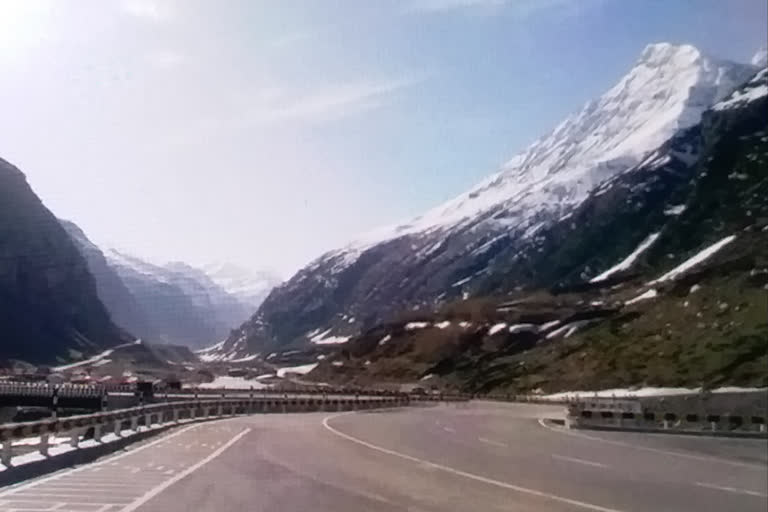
(265, 133)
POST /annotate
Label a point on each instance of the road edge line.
(163, 486)
(108, 458)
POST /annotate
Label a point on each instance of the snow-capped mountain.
(184, 304)
(173, 303)
(438, 255)
(250, 287)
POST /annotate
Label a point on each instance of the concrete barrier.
(631, 415)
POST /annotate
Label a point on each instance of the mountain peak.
(760, 58)
(658, 54)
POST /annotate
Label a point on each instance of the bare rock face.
(49, 308)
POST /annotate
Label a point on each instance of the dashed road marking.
(733, 490)
(492, 442)
(652, 450)
(579, 461)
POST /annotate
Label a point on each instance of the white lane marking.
(732, 489)
(491, 441)
(653, 450)
(95, 464)
(465, 474)
(449, 429)
(579, 461)
(163, 486)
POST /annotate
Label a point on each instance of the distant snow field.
(644, 392)
(225, 381)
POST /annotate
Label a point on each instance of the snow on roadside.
(385, 339)
(443, 325)
(643, 392)
(694, 260)
(410, 326)
(627, 262)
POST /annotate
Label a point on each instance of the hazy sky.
(266, 132)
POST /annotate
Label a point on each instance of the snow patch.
(674, 210)
(643, 392)
(627, 262)
(496, 328)
(299, 370)
(411, 326)
(225, 381)
(698, 258)
(515, 328)
(649, 294)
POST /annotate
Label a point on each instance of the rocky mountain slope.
(173, 303)
(49, 307)
(463, 247)
(660, 279)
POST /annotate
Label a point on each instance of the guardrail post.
(713, 425)
(43, 448)
(97, 433)
(148, 420)
(55, 402)
(74, 438)
(118, 427)
(7, 453)
(176, 415)
(135, 423)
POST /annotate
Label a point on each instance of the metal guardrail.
(96, 425)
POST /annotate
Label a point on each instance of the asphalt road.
(475, 457)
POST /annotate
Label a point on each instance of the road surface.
(460, 457)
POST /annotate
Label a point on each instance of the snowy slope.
(184, 304)
(443, 252)
(667, 90)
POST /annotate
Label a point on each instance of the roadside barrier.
(631, 415)
(95, 426)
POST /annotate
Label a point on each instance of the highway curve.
(465, 457)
